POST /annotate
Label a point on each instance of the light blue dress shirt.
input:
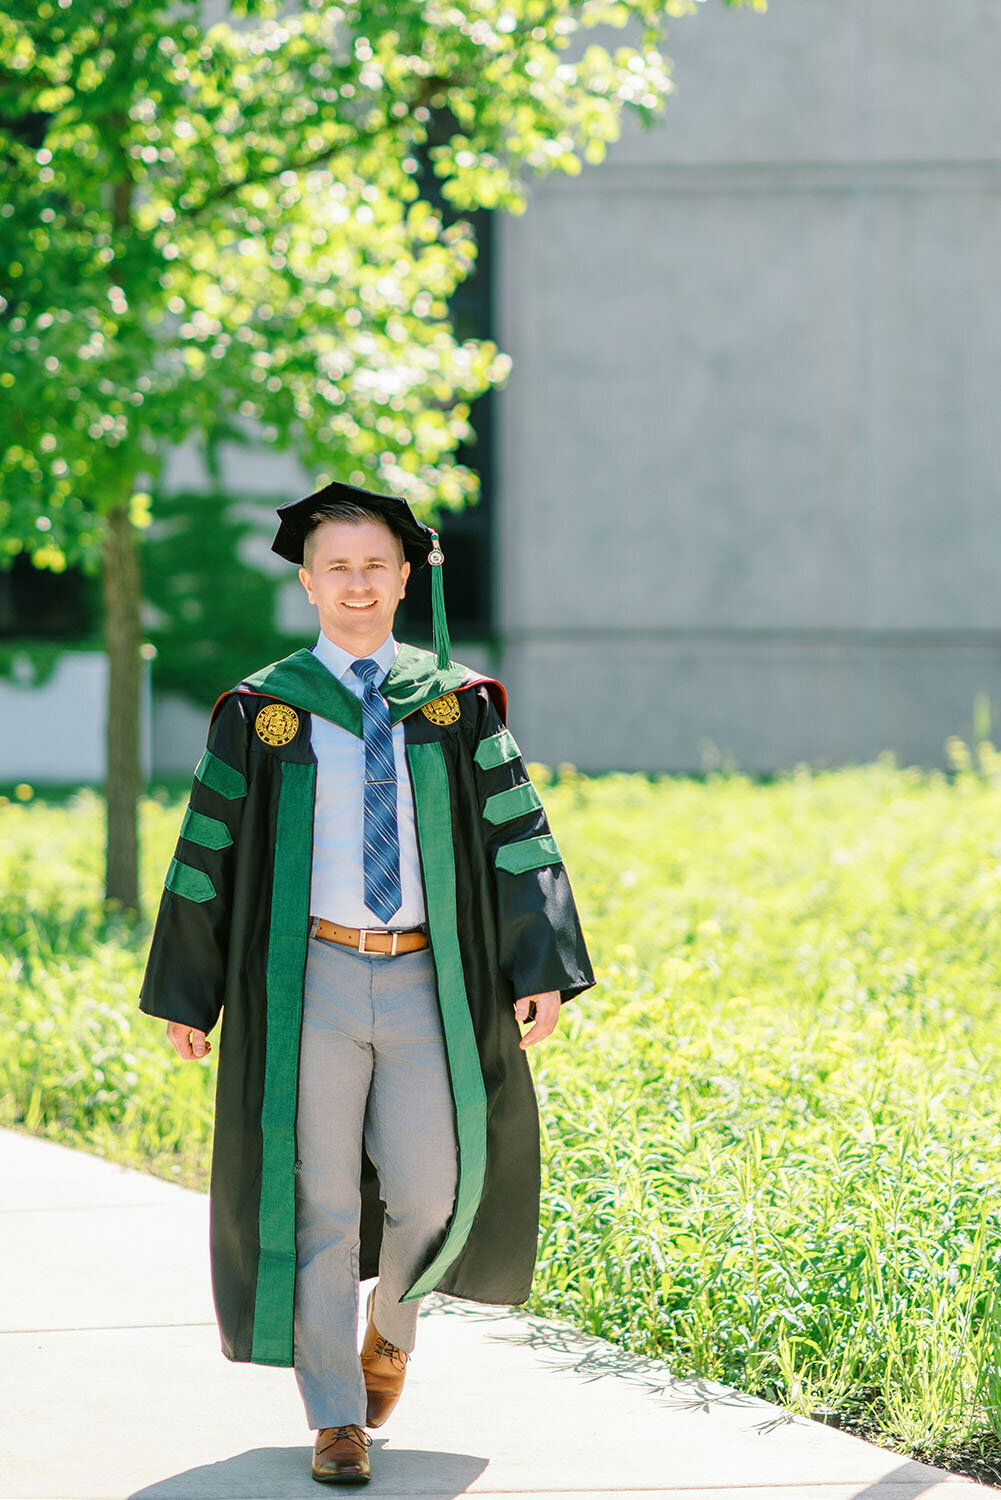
(338, 885)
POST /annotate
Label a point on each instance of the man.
(366, 887)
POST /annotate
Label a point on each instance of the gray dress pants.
(372, 1066)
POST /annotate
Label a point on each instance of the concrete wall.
(58, 726)
(750, 455)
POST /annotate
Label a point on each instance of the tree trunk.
(121, 637)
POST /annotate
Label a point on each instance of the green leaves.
(772, 1127)
(217, 232)
(771, 1146)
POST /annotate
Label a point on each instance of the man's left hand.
(547, 1013)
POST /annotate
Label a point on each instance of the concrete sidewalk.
(112, 1384)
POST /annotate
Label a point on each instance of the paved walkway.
(112, 1386)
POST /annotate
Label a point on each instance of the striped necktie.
(383, 892)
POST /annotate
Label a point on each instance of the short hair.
(352, 514)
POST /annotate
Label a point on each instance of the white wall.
(57, 728)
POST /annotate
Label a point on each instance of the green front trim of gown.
(302, 680)
(434, 830)
(275, 1293)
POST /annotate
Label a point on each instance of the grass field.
(772, 1152)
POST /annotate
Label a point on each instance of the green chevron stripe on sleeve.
(222, 778)
(529, 854)
(496, 750)
(512, 803)
(211, 833)
(185, 880)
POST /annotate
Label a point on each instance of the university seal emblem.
(443, 710)
(276, 724)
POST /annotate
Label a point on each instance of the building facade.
(742, 489)
(749, 463)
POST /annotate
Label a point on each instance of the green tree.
(217, 230)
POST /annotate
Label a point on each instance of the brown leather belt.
(368, 939)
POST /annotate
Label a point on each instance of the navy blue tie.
(383, 892)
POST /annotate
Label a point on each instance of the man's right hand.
(186, 1041)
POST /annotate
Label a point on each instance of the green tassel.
(442, 643)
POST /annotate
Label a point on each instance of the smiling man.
(366, 888)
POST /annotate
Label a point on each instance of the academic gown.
(231, 937)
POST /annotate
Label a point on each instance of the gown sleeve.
(187, 961)
(541, 944)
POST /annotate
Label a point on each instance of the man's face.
(356, 580)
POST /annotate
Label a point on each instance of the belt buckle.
(364, 932)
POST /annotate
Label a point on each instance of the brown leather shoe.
(340, 1456)
(385, 1369)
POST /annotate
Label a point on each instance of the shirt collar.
(338, 661)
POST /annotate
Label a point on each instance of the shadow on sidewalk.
(264, 1473)
(909, 1482)
(563, 1347)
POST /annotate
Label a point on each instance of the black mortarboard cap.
(420, 542)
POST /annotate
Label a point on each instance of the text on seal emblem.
(276, 724)
(443, 710)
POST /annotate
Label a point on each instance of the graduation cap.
(420, 543)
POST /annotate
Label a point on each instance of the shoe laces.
(356, 1433)
(385, 1350)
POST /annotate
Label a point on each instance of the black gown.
(231, 936)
